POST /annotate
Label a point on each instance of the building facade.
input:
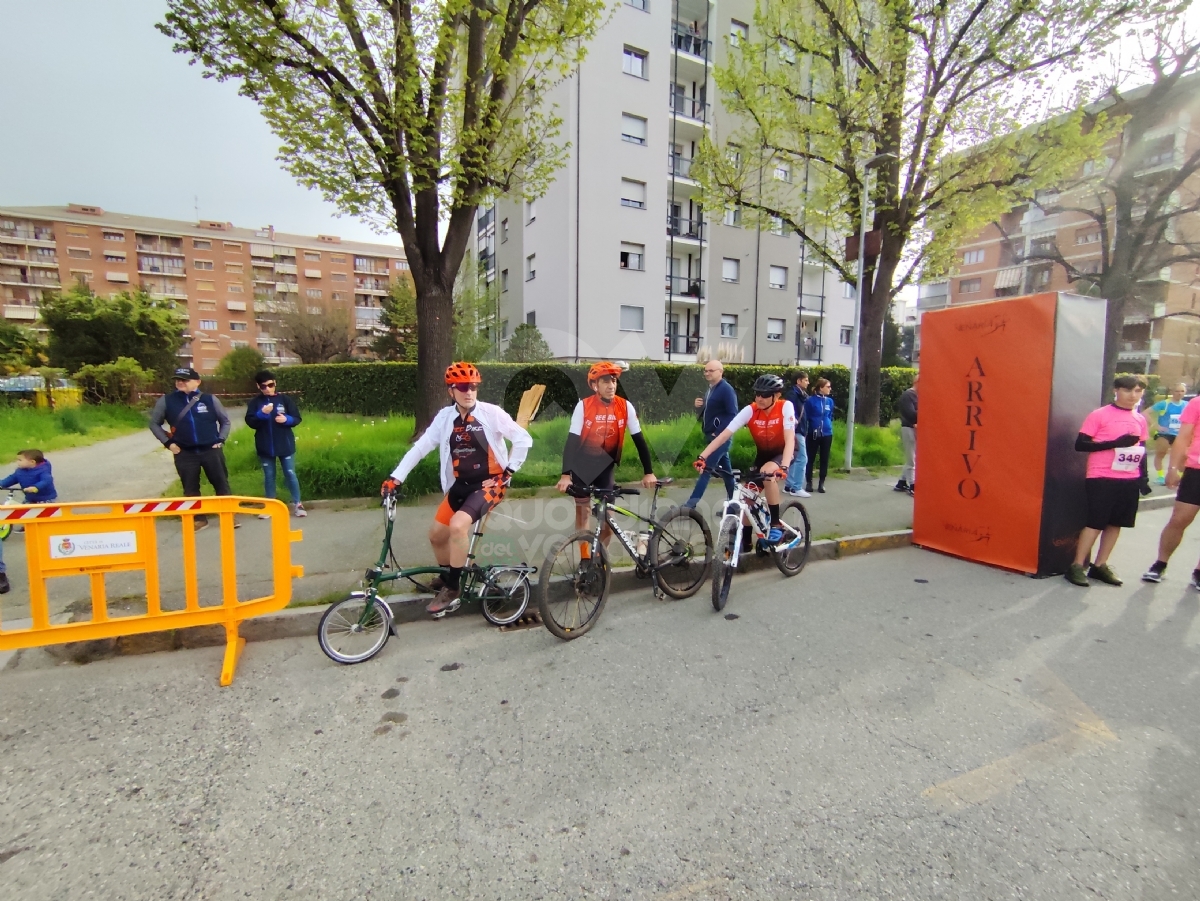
(617, 259)
(227, 282)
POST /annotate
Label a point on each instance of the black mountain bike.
(673, 550)
(749, 505)
(357, 628)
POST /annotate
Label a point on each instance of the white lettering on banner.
(1128, 459)
(96, 544)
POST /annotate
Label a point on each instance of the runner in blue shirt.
(1164, 421)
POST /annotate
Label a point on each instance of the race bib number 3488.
(1128, 459)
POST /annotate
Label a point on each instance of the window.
(531, 267)
(728, 325)
(206, 286)
(338, 276)
(634, 63)
(79, 253)
(530, 211)
(504, 329)
(972, 256)
(845, 335)
(633, 256)
(775, 329)
(783, 171)
(1087, 236)
(633, 129)
(201, 244)
(312, 255)
(234, 267)
(633, 318)
(503, 231)
(402, 265)
(778, 277)
(849, 291)
(503, 279)
(337, 258)
(114, 236)
(208, 306)
(314, 293)
(787, 53)
(777, 226)
(643, 5)
(739, 33)
(1041, 278)
(633, 194)
(730, 269)
(733, 217)
(122, 277)
(82, 275)
(232, 245)
(337, 296)
(531, 318)
(969, 285)
(76, 231)
(202, 264)
(208, 325)
(114, 256)
(237, 326)
(234, 288)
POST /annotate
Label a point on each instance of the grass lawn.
(27, 427)
(349, 456)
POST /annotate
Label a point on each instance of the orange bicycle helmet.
(603, 368)
(457, 373)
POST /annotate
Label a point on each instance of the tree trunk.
(1113, 328)
(870, 342)
(435, 349)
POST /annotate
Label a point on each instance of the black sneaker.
(5, 588)
(900, 486)
(1155, 572)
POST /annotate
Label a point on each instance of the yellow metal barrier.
(94, 538)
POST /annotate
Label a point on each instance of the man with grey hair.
(718, 406)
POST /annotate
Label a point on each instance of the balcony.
(681, 344)
(1132, 351)
(679, 227)
(370, 267)
(679, 166)
(688, 108)
(685, 286)
(175, 250)
(810, 349)
(687, 40)
(486, 220)
(285, 268)
(11, 252)
(27, 233)
(45, 279)
(287, 288)
(371, 285)
(18, 311)
(811, 304)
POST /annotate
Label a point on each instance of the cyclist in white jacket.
(476, 467)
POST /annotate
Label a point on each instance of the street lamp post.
(858, 305)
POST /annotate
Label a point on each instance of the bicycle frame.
(603, 509)
(748, 503)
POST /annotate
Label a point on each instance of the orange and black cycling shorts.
(469, 497)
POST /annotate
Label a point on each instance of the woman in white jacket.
(476, 467)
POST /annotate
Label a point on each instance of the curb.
(1160, 502)
(302, 622)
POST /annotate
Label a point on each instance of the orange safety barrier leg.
(233, 651)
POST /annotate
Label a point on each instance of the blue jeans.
(795, 476)
(289, 476)
(718, 459)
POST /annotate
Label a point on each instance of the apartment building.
(1001, 260)
(228, 282)
(617, 259)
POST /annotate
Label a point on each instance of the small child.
(34, 476)
(1114, 437)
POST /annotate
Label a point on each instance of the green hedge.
(659, 391)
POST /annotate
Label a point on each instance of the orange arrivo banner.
(1004, 386)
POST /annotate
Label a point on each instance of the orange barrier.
(98, 537)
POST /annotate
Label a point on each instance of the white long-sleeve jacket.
(497, 426)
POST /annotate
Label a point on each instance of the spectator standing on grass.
(1114, 438)
(908, 437)
(273, 417)
(818, 409)
(715, 410)
(198, 427)
(1183, 472)
(798, 395)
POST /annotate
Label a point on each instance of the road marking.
(1084, 731)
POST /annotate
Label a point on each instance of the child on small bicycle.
(594, 443)
(476, 467)
(34, 476)
(772, 424)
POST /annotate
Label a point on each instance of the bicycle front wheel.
(723, 562)
(680, 552)
(355, 629)
(504, 596)
(572, 589)
(795, 519)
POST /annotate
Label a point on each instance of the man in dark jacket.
(718, 406)
(908, 437)
(199, 426)
(273, 416)
(798, 394)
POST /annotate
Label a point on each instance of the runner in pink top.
(1114, 438)
(1183, 472)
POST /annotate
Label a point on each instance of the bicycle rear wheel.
(723, 562)
(795, 517)
(572, 590)
(355, 629)
(504, 595)
(680, 552)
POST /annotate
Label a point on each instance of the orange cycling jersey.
(604, 426)
(767, 426)
(472, 457)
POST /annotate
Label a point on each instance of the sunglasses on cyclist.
(466, 386)
(768, 394)
(267, 385)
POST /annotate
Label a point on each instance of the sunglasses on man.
(464, 387)
(267, 385)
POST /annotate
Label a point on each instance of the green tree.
(240, 365)
(407, 114)
(120, 382)
(398, 317)
(19, 348)
(474, 319)
(935, 96)
(527, 345)
(88, 329)
(317, 331)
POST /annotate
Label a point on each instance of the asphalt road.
(900, 725)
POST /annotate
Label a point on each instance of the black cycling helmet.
(767, 384)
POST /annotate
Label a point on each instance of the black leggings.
(822, 444)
